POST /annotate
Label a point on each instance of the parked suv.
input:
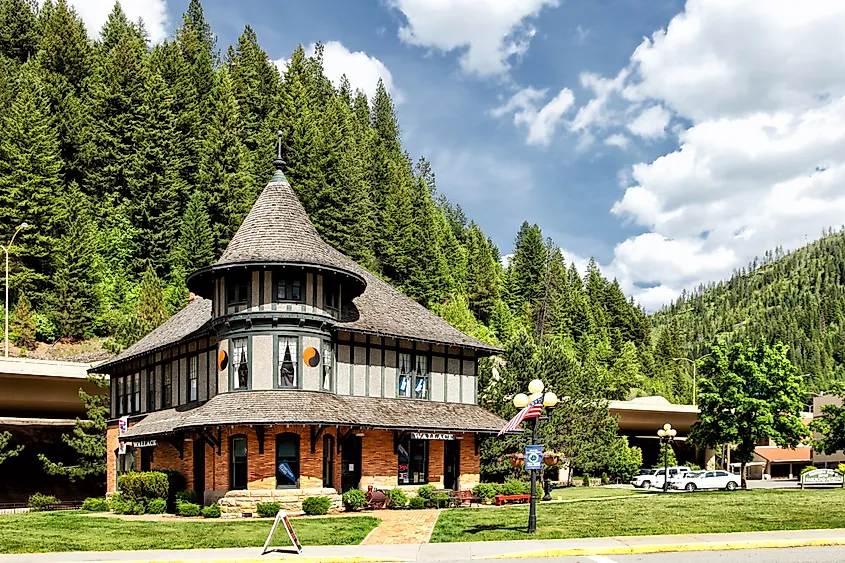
(655, 477)
(695, 480)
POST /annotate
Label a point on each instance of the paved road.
(792, 555)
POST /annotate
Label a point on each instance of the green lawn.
(575, 493)
(648, 514)
(72, 531)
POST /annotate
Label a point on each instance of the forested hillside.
(135, 163)
(796, 298)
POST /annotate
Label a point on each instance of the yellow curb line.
(670, 548)
(285, 559)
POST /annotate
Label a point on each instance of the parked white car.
(695, 480)
(655, 477)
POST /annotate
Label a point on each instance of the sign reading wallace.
(821, 477)
(431, 436)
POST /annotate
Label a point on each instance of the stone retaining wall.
(235, 503)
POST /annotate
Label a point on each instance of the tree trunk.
(742, 475)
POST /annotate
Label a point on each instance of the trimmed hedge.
(514, 487)
(397, 497)
(316, 505)
(487, 491)
(417, 502)
(95, 504)
(187, 509)
(211, 511)
(188, 496)
(354, 499)
(157, 506)
(38, 502)
(268, 509)
(143, 485)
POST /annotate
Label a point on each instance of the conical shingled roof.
(277, 229)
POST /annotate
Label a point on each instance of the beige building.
(819, 459)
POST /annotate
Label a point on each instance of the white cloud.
(541, 123)
(487, 32)
(154, 13)
(362, 70)
(651, 122)
(762, 161)
(618, 140)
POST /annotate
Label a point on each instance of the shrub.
(841, 468)
(188, 496)
(135, 507)
(316, 505)
(694, 467)
(397, 498)
(426, 491)
(95, 504)
(117, 504)
(39, 502)
(143, 485)
(354, 499)
(187, 509)
(586, 480)
(514, 487)
(157, 506)
(604, 479)
(438, 501)
(417, 502)
(268, 509)
(211, 511)
(175, 483)
(487, 491)
(808, 468)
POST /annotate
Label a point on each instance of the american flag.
(533, 410)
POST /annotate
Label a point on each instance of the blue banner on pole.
(285, 470)
(534, 457)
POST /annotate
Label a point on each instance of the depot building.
(295, 372)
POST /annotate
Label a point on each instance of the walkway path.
(402, 527)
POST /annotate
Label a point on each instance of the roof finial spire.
(279, 176)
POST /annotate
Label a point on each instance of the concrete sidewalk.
(463, 551)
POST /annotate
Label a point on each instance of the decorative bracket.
(178, 443)
(206, 435)
(342, 436)
(316, 432)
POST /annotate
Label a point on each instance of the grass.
(575, 493)
(651, 514)
(73, 531)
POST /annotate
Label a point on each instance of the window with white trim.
(167, 385)
(328, 366)
(289, 289)
(136, 392)
(193, 377)
(240, 364)
(413, 376)
(237, 292)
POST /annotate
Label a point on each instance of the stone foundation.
(236, 503)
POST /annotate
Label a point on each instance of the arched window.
(328, 461)
(237, 462)
(287, 461)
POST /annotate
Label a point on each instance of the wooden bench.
(459, 498)
(502, 499)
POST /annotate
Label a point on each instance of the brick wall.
(378, 467)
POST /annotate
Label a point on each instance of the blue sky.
(672, 140)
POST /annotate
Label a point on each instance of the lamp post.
(694, 402)
(667, 436)
(6, 317)
(520, 401)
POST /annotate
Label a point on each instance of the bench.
(459, 498)
(502, 499)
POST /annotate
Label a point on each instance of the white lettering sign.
(145, 444)
(821, 477)
(431, 436)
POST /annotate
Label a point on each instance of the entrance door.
(199, 466)
(451, 464)
(350, 474)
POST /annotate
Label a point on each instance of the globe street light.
(7, 249)
(520, 401)
(667, 436)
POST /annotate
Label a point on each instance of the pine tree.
(343, 214)
(88, 437)
(154, 179)
(528, 267)
(149, 311)
(18, 29)
(74, 302)
(224, 169)
(30, 181)
(425, 268)
(196, 241)
(22, 325)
